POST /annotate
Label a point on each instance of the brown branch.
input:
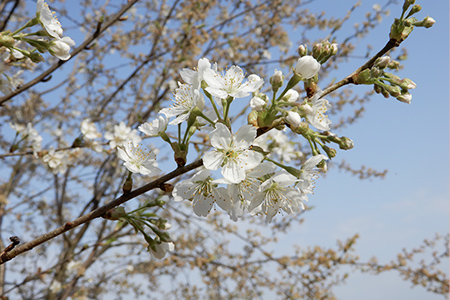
(98, 212)
(347, 80)
(100, 29)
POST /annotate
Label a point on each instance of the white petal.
(212, 160)
(234, 172)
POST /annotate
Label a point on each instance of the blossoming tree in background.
(105, 169)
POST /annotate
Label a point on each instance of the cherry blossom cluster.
(244, 171)
(26, 47)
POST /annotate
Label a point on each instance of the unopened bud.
(302, 50)
(415, 9)
(330, 151)
(393, 65)
(35, 57)
(408, 84)
(375, 72)
(346, 143)
(362, 77)
(276, 80)
(334, 49)
(307, 67)
(317, 50)
(291, 96)
(427, 22)
(293, 118)
(405, 98)
(394, 91)
(257, 104)
(382, 62)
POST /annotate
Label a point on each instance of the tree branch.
(99, 211)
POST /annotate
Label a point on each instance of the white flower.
(275, 194)
(203, 193)
(57, 161)
(195, 77)
(121, 134)
(48, 19)
(307, 67)
(138, 161)
(278, 144)
(293, 118)
(55, 286)
(317, 117)
(242, 193)
(257, 103)
(232, 152)
(155, 127)
(60, 48)
(74, 265)
(186, 100)
(309, 173)
(161, 249)
(89, 130)
(231, 83)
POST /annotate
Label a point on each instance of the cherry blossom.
(232, 153)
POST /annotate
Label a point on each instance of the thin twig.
(77, 50)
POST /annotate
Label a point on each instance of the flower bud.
(334, 48)
(362, 77)
(276, 80)
(307, 67)
(382, 62)
(415, 9)
(375, 72)
(427, 22)
(394, 91)
(302, 50)
(293, 118)
(393, 65)
(317, 50)
(405, 98)
(346, 143)
(291, 96)
(408, 84)
(329, 151)
(257, 104)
